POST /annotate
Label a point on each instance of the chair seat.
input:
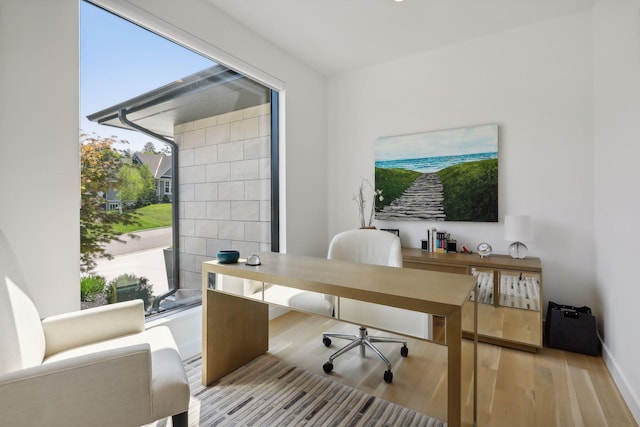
(296, 298)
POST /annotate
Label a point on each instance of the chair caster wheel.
(328, 367)
(404, 351)
(326, 341)
(388, 376)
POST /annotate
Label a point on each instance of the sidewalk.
(142, 257)
(148, 239)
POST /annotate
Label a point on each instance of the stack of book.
(438, 242)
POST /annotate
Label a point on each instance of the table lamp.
(517, 228)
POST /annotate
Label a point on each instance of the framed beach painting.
(445, 175)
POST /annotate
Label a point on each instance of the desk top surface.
(412, 289)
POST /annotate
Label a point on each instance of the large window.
(217, 159)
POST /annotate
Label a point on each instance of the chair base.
(363, 340)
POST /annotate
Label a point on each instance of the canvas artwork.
(446, 175)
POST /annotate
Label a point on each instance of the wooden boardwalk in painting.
(423, 200)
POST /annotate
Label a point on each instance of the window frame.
(163, 29)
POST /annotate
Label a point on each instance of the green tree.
(126, 152)
(149, 195)
(149, 148)
(131, 185)
(136, 185)
(99, 168)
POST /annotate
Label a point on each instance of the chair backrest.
(367, 247)
(21, 336)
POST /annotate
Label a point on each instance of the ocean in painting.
(434, 164)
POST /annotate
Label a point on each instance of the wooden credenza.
(509, 291)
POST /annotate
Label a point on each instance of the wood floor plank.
(515, 388)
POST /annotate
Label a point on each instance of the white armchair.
(97, 367)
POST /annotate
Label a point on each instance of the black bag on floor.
(572, 328)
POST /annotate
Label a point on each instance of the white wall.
(566, 94)
(39, 156)
(536, 83)
(616, 177)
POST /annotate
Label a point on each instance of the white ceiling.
(337, 35)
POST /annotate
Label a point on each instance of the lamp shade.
(517, 228)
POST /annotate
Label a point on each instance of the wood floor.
(515, 388)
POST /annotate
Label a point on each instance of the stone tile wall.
(225, 187)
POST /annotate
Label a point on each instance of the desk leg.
(234, 331)
(454, 368)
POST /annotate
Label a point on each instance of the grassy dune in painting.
(471, 191)
(393, 182)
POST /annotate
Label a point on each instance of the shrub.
(127, 287)
(90, 286)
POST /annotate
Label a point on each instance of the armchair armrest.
(110, 387)
(69, 330)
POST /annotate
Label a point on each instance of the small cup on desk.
(228, 256)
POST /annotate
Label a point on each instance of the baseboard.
(628, 394)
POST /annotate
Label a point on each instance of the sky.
(120, 60)
(467, 140)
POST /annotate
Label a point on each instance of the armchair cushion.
(169, 389)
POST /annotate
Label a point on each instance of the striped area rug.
(269, 392)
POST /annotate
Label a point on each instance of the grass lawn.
(152, 216)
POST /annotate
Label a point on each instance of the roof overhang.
(213, 91)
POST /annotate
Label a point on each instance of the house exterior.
(160, 167)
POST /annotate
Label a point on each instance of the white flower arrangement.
(360, 200)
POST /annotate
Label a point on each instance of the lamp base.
(518, 250)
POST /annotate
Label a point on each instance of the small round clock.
(484, 249)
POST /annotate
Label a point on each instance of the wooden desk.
(235, 329)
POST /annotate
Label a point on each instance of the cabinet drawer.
(519, 290)
(487, 286)
(443, 268)
(509, 293)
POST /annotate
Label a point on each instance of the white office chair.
(367, 247)
(96, 367)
